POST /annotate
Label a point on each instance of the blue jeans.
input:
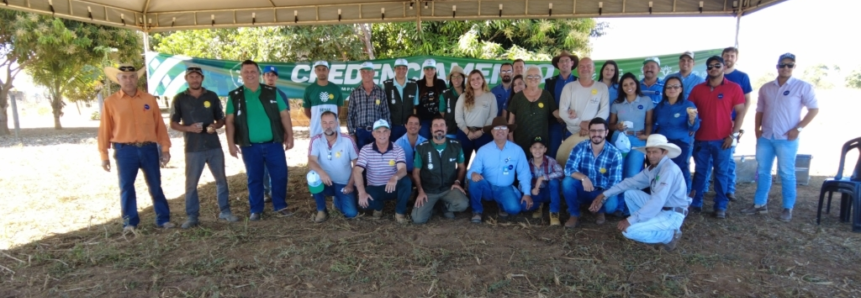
(469, 145)
(272, 156)
(344, 202)
(508, 197)
(194, 164)
(424, 131)
(731, 167)
(684, 160)
(785, 151)
(721, 158)
(398, 131)
(633, 164)
(548, 194)
(129, 159)
(364, 137)
(401, 195)
(575, 196)
(555, 137)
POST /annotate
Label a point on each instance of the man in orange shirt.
(132, 123)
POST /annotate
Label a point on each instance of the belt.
(138, 144)
(633, 133)
(368, 128)
(682, 210)
(474, 128)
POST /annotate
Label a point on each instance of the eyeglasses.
(505, 71)
(786, 65)
(597, 130)
(501, 128)
(710, 67)
(674, 86)
(533, 77)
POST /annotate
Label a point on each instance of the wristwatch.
(799, 128)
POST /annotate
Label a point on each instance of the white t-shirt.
(587, 103)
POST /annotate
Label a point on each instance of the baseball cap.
(538, 140)
(430, 63)
(367, 65)
(315, 185)
(789, 56)
(381, 123)
(714, 58)
(270, 68)
(198, 70)
(321, 62)
(652, 59)
(401, 62)
(687, 53)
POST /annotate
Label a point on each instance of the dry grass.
(61, 232)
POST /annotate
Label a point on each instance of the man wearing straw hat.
(403, 95)
(131, 123)
(197, 113)
(565, 62)
(656, 217)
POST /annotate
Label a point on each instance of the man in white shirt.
(583, 100)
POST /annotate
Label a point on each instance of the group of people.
(623, 146)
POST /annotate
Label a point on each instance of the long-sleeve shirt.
(364, 109)
(781, 106)
(549, 169)
(671, 120)
(131, 119)
(587, 103)
(688, 82)
(480, 115)
(667, 189)
(604, 171)
(498, 167)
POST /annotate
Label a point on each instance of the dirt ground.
(61, 235)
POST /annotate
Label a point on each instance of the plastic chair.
(849, 188)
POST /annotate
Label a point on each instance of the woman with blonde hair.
(474, 110)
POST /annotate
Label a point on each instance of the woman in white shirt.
(475, 109)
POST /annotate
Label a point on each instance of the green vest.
(439, 171)
(400, 108)
(240, 121)
(450, 104)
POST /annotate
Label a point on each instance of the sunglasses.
(710, 67)
(193, 69)
(786, 65)
(674, 86)
(127, 68)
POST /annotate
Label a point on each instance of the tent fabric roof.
(170, 15)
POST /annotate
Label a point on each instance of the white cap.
(652, 59)
(430, 63)
(687, 53)
(367, 65)
(401, 62)
(321, 62)
(381, 123)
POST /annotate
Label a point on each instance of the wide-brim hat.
(499, 121)
(112, 72)
(573, 58)
(660, 141)
(456, 69)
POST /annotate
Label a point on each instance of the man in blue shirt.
(686, 74)
(565, 62)
(493, 171)
(651, 85)
(593, 167)
(503, 90)
(410, 140)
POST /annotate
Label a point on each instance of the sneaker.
(537, 214)
(448, 215)
(502, 214)
(786, 216)
(400, 218)
(672, 245)
(229, 217)
(554, 219)
(571, 223)
(731, 197)
(129, 230)
(167, 225)
(476, 218)
(284, 213)
(378, 214)
(720, 214)
(321, 217)
(694, 209)
(190, 222)
(600, 219)
(254, 217)
(755, 210)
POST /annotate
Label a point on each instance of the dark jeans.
(469, 145)
(129, 159)
(721, 158)
(364, 137)
(272, 156)
(401, 195)
(425, 130)
(194, 164)
(344, 202)
(556, 138)
(684, 159)
(399, 131)
(575, 196)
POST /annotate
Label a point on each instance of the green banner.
(166, 72)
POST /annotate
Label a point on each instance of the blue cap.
(714, 58)
(270, 68)
(789, 56)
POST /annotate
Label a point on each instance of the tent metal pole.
(737, 26)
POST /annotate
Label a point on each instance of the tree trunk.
(4, 104)
(78, 105)
(366, 36)
(57, 105)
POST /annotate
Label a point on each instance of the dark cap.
(194, 69)
(270, 68)
(714, 58)
(538, 140)
(789, 56)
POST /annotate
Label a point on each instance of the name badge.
(594, 91)
(541, 105)
(378, 101)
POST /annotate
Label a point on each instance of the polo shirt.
(320, 99)
(687, 82)
(499, 167)
(131, 119)
(715, 106)
(634, 111)
(336, 159)
(781, 106)
(259, 126)
(502, 96)
(742, 79)
(654, 91)
(187, 110)
(404, 143)
(380, 167)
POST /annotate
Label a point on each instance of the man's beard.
(506, 79)
(195, 88)
(601, 140)
(439, 135)
(329, 132)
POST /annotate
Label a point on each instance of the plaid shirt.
(364, 109)
(549, 169)
(604, 170)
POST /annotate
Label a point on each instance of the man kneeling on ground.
(438, 171)
(383, 164)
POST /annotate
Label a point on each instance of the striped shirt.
(380, 167)
(604, 170)
(364, 109)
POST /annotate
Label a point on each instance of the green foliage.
(95, 116)
(821, 76)
(853, 80)
(765, 78)
(86, 85)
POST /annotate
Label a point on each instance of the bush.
(95, 116)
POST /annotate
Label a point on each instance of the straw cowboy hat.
(456, 69)
(573, 58)
(112, 72)
(565, 149)
(660, 141)
(499, 121)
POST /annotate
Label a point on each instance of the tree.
(16, 53)
(85, 87)
(763, 79)
(853, 80)
(821, 76)
(64, 49)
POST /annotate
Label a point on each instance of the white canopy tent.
(170, 15)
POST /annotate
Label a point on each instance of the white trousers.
(659, 229)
